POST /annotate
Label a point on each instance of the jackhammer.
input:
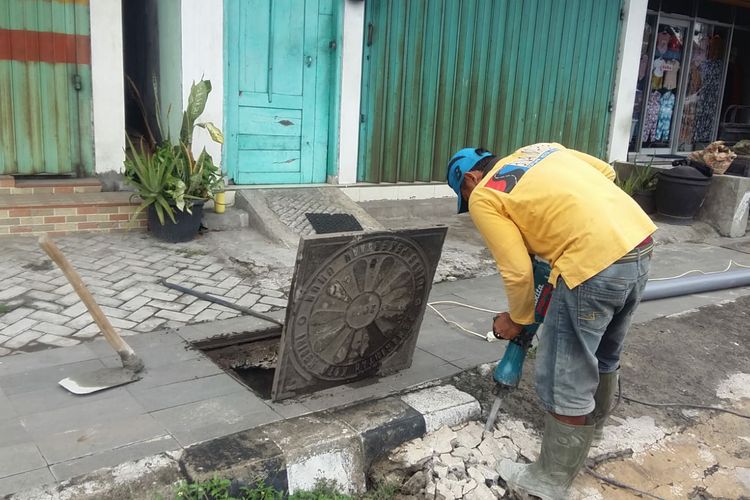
(507, 374)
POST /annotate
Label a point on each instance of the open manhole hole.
(250, 358)
(355, 309)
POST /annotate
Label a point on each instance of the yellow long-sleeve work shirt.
(561, 205)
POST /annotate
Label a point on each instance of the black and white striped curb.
(294, 454)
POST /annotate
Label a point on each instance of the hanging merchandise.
(662, 42)
(652, 117)
(657, 74)
(666, 108)
(708, 98)
(670, 69)
(643, 67)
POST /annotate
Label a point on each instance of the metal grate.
(333, 223)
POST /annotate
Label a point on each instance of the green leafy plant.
(641, 178)
(167, 175)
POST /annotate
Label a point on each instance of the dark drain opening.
(250, 362)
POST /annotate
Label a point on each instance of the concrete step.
(58, 214)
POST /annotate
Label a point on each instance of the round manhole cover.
(359, 308)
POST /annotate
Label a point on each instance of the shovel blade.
(98, 380)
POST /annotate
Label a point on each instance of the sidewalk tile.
(215, 417)
(110, 458)
(168, 305)
(99, 437)
(75, 310)
(120, 405)
(174, 316)
(196, 307)
(44, 359)
(129, 293)
(18, 458)
(18, 327)
(189, 391)
(15, 315)
(56, 398)
(149, 325)
(13, 433)
(80, 322)
(26, 480)
(34, 379)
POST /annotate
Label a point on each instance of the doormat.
(333, 223)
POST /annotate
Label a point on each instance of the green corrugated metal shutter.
(45, 87)
(443, 74)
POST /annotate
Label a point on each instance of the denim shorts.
(583, 335)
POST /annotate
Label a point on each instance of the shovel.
(105, 378)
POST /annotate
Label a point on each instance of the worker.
(562, 206)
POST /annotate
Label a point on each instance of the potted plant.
(172, 183)
(640, 184)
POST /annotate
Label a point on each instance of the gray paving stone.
(168, 305)
(196, 307)
(18, 458)
(229, 282)
(88, 332)
(12, 292)
(270, 293)
(187, 299)
(114, 312)
(100, 437)
(69, 299)
(47, 306)
(142, 314)
(33, 283)
(237, 291)
(56, 341)
(274, 301)
(179, 371)
(167, 272)
(149, 325)
(248, 300)
(4, 351)
(75, 310)
(190, 391)
(80, 322)
(215, 417)
(39, 295)
(228, 315)
(135, 303)
(18, 327)
(25, 481)
(110, 458)
(261, 308)
(53, 329)
(174, 316)
(129, 293)
(21, 339)
(15, 315)
(49, 317)
(220, 308)
(44, 359)
(207, 315)
(122, 323)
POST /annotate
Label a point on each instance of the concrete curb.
(292, 455)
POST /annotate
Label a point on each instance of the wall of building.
(202, 34)
(629, 53)
(107, 85)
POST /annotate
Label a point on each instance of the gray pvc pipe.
(695, 284)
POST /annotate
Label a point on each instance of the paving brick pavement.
(39, 309)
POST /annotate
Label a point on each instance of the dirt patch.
(700, 358)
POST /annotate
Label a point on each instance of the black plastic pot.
(680, 193)
(184, 228)
(645, 200)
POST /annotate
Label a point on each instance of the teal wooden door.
(45, 87)
(278, 90)
(440, 75)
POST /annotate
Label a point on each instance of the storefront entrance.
(682, 76)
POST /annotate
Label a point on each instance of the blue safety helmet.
(459, 164)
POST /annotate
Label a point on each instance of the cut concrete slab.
(727, 205)
(232, 218)
(279, 214)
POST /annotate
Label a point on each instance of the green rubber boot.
(605, 393)
(564, 451)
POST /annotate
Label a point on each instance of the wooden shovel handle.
(129, 358)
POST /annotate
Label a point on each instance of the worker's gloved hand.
(505, 328)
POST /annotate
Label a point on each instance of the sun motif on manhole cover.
(359, 308)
